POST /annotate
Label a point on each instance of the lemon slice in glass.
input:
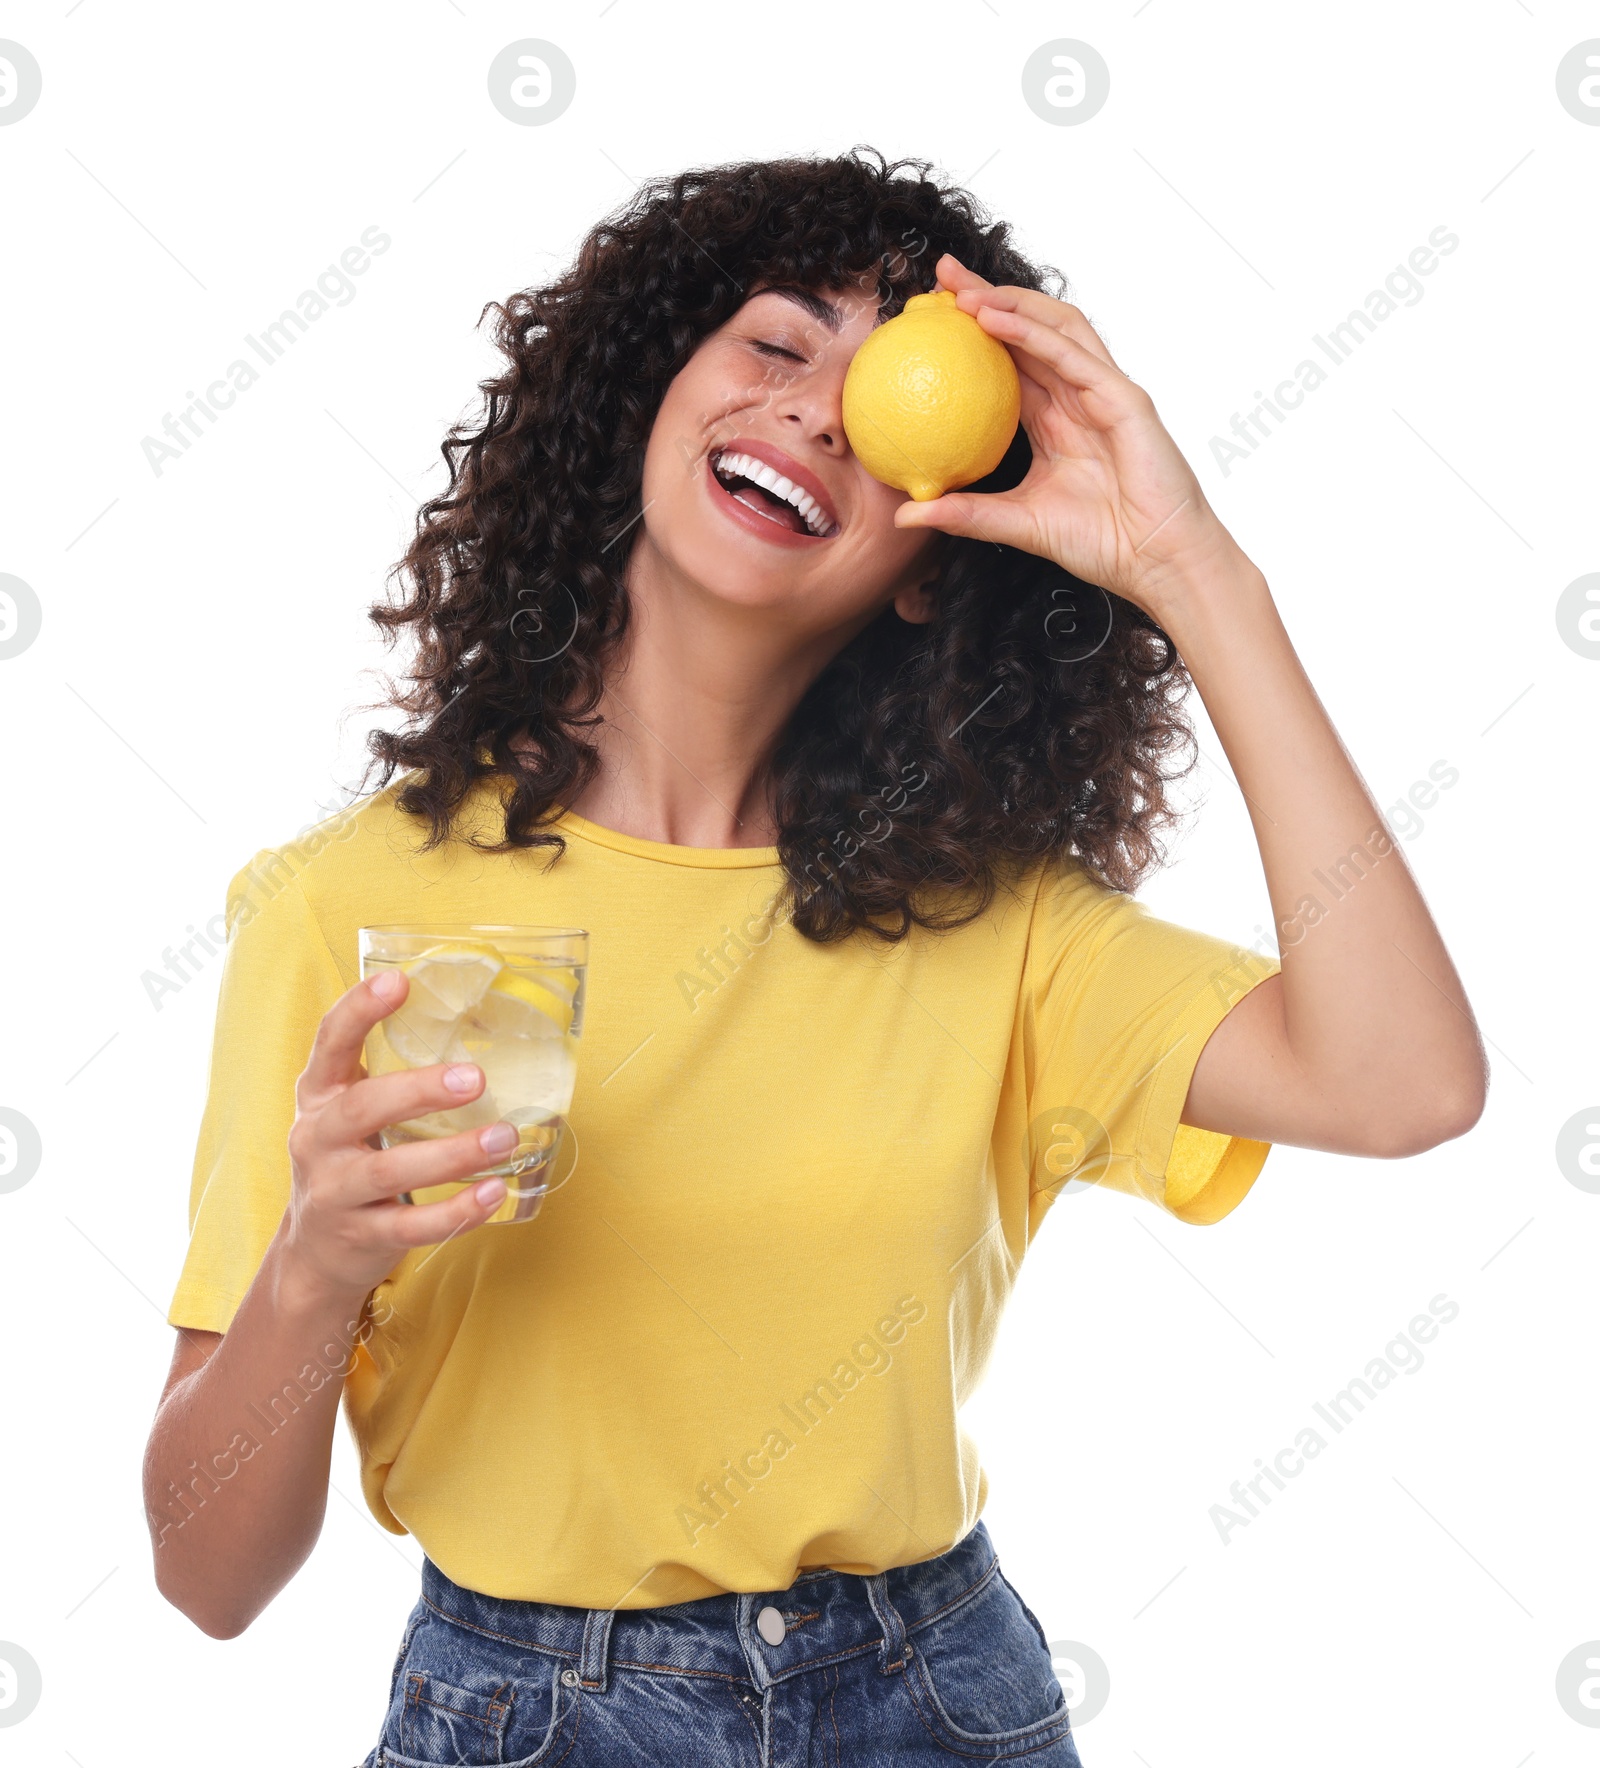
(549, 991)
(465, 1004)
(447, 981)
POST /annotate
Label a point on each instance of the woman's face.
(761, 396)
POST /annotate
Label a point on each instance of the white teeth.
(759, 473)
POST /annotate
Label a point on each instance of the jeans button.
(769, 1624)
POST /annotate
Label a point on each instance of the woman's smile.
(770, 493)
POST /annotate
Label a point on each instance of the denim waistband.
(827, 1616)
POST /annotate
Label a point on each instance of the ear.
(916, 605)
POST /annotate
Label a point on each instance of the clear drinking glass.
(509, 999)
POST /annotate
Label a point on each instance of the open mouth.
(765, 490)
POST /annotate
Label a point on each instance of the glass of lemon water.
(509, 999)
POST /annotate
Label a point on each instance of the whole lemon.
(931, 401)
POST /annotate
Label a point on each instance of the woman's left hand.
(1108, 497)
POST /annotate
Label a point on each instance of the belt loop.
(596, 1648)
(892, 1651)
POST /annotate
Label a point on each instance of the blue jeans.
(940, 1662)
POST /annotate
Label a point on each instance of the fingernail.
(386, 985)
(462, 1078)
(499, 1138)
(490, 1191)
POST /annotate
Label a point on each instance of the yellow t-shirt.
(735, 1342)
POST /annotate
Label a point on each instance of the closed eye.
(775, 350)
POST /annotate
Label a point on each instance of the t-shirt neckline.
(707, 858)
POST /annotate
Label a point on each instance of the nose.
(829, 439)
(812, 406)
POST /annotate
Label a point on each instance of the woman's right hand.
(345, 1228)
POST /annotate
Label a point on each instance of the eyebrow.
(818, 306)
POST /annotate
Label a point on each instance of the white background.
(196, 693)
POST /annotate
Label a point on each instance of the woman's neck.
(694, 704)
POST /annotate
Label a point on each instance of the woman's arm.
(1365, 1044)
(236, 1469)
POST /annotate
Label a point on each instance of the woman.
(851, 793)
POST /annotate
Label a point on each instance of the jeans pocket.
(982, 1680)
(462, 1699)
(442, 1723)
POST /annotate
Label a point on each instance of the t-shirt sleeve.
(278, 979)
(1117, 1005)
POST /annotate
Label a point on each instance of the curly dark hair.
(1033, 716)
